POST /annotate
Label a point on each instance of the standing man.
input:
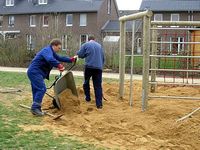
(39, 70)
(94, 61)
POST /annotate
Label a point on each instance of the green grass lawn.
(12, 136)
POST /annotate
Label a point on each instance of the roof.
(28, 6)
(113, 26)
(171, 5)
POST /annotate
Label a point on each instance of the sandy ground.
(120, 126)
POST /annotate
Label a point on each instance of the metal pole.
(122, 58)
(153, 60)
(132, 53)
(146, 53)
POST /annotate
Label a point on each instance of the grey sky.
(128, 4)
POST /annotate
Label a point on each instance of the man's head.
(56, 45)
(91, 37)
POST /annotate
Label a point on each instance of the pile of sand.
(118, 125)
(69, 102)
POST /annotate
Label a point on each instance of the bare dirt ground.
(120, 126)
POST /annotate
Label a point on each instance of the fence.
(170, 51)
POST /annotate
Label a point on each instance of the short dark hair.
(91, 37)
(55, 42)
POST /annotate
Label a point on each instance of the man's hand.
(74, 59)
(61, 68)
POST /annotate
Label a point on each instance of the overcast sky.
(128, 4)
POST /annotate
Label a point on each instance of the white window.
(69, 20)
(33, 21)
(41, 2)
(109, 7)
(158, 17)
(45, 21)
(83, 38)
(174, 17)
(83, 19)
(1, 21)
(177, 45)
(9, 2)
(30, 42)
(11, 21)
(64, 42)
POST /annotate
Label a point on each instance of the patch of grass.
(13, 137)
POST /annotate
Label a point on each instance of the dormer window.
(9, 2)
(42, 2)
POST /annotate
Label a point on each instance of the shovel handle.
(47, 113)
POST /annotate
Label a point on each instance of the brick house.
(173, 10)
(38, 21)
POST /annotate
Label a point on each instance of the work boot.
(37, 112)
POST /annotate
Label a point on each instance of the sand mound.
(69, 102)
(118, 125)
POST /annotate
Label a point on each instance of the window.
(109, 7)
(11, 36)
(176, 45)
(69, 20)
(174, 17)
(32, 20)
(9, 2)
(158, 17)
(45, 21)
(30, 42)
(1, 21)
(11, 21)
(64, 42)
(139, 43)
(41, 2)
(83, 38)
(83, 19)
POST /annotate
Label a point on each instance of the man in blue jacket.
(39, 70)
(94, 61)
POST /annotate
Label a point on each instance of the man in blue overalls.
(94, 61)
(39, 70)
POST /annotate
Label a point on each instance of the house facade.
(38, 21)
(173, 10)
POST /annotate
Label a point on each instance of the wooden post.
(153, 59)
(132, 56)
(122, 58)
(146, 53)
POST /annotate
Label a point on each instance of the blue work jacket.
(93, 54)
(45, 60)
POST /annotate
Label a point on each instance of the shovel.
(55, 117)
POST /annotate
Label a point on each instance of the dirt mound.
(69, 102)
(118, 125)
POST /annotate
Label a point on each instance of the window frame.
(10, 2)
(81, 39)
(109, 7)
(42, 2)
(64, 40)
(1, 20)
(31, 20)
(85, 21)
(11, 23)
(67, 20)
(43, 21)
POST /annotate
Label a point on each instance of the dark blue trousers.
(38, 88)
(96, 75)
